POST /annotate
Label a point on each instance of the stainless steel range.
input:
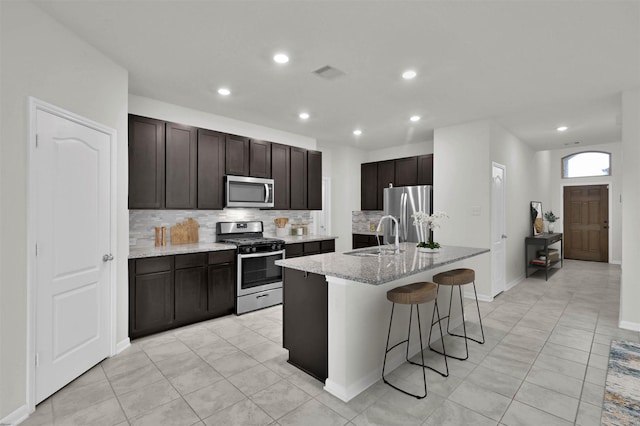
(259, 279)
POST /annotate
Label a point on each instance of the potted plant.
(428, 223)
(551, 218)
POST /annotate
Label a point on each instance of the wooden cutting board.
(185, 232)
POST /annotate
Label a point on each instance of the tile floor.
(544, 363)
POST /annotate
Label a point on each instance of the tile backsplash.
(142, 223)
(361, 221)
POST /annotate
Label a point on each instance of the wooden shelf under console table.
(542, 240)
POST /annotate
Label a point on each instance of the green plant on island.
(430, 245)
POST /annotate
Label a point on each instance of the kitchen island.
(336, 314)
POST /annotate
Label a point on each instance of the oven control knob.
(274, 247)
(253, 249)
(247, 249)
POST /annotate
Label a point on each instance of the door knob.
(504, 236)
(107, 257)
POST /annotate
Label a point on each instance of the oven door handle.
(264, 254)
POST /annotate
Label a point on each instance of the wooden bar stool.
(414, 294)
(458, 277)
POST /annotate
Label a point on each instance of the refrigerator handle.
(403, 216)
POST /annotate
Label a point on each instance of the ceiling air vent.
(328, 72)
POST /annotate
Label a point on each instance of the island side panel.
(305, 321)
(358, 325)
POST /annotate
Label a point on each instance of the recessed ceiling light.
(224, 91)
(562, 128)
(281, 58)
(304, 115)
(357, 132)
(415, 118)
(409, 74)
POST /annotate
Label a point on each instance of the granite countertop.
(378, 270)
(139, 252)
(290, 239)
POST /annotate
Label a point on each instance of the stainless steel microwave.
(242, 191)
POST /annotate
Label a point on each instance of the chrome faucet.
(379, 228)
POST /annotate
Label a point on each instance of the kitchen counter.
(347, 323)
(292, 239)
(140, 252)
(378, 270)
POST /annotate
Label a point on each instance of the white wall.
(342, 165)
(164, 111)
(521, 188)
(43, 59)
(400, 151)
(462, 179)
(614, 181)
(630, 290)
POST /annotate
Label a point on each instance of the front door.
(72, 175)
(586, 223)
(498, 237)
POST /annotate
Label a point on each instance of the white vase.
(551, 227)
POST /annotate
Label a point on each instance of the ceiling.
(529, 65)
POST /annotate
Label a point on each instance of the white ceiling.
(530, 65)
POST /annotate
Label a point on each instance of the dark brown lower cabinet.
(166, 292)
(309, 248)
(191, 294)
(150, 303)
(305, 321)
(222, 284)
(364, 240)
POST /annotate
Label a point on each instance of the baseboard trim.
(514, 283)
(628, 325)
(16, 417)
(122, 345)
(481, 297)
(616, 262)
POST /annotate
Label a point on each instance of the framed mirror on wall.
(537, 222)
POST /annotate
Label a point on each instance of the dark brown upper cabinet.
(237, 155)
(175, 166)
(406, 171)
(369, 186)
(374, 177)
(386, 176)
(425, 169)
(281, 174)
(181, 166)
(211, 169)
(298, 178)
(259, 159)
(314, 180)
(146, 163)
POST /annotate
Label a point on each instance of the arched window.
(583, 164)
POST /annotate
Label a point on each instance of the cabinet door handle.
(107, 257)
(262, 295)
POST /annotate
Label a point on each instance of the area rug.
(622, 392)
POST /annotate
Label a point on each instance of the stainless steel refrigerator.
(401, 202)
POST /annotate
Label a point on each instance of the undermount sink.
(375, 251)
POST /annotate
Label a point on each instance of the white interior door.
(72, 173)
(498, 235)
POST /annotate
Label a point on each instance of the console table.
(542, 240)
